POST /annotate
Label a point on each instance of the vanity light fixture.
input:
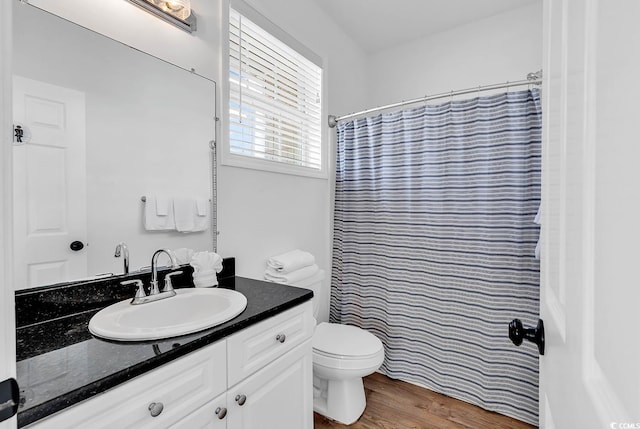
(176, 12)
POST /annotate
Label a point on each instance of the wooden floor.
(393, 404)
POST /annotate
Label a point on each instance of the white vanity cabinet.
(177, 389)
(279, 396)
(270, 373)
(212, 415)
(259, 377)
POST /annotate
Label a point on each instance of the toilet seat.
(346, 347)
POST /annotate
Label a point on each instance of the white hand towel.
(162, 205)
(290, 261)
(184, 212)
(292, 277)
(201, 221)
(187, 215)
(153, 219)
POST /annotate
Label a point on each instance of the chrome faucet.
(122, 249)
(154, 292)
(154, 270)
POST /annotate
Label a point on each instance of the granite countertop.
(60, 363)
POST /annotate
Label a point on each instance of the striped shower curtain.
(434, 244)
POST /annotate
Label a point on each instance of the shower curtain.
(434, 244)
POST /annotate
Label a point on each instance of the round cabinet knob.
(155, 408)
(281, 338)
(221, 413)
(241, 399)
(76, 246)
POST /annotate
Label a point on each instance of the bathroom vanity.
(252, 371)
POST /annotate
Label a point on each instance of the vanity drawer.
(206, 417)
(258, 345)
(182, 386)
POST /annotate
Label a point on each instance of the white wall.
(501, 48)
(262, 213)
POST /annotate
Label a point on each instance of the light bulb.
(181, 9)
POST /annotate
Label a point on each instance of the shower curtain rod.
(533, 78)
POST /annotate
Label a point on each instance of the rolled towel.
(292, 277)
(206, 261)
(205, 279)
(290, 261)
(205, 266)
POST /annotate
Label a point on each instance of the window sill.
(233, 160)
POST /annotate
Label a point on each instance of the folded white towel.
(158, 214)
(184, 212)
(162, 205)
(201, 221)
(290, 261)
(292, 277)
(187, 216)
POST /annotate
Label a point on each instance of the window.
(275, 104)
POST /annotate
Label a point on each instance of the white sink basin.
(191, 310)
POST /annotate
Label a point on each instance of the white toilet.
(342, 355)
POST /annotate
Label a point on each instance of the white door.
(7, 330)
(49, 183)
(590, 284)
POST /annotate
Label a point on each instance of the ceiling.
(376, 25)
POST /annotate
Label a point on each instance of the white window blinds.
(274, 98)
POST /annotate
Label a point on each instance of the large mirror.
(102, 127)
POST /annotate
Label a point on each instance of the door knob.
(517, 332)
(76, 245)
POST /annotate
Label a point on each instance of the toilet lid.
(345, 340)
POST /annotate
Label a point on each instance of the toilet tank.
(313, 283)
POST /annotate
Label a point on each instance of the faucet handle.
(168, 286)
(140, 292)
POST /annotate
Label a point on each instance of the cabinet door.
(279, 396)
(212, 415)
